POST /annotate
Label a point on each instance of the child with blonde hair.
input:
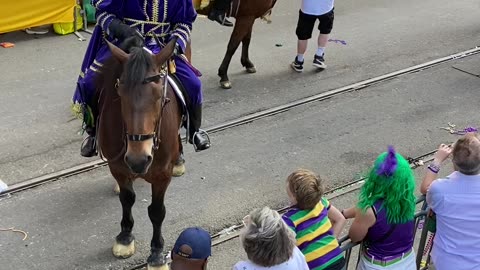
(315, 221)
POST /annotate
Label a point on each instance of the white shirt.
(297, 262)
(317, 7)
(456, 202)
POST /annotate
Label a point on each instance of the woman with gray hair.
(269, 243)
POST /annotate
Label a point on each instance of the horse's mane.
(139, 62)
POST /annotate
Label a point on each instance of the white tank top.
(296, 262)
(317, 7)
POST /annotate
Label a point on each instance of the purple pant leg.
(190, 81)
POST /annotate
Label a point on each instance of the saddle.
(182, 98)
(202, 6)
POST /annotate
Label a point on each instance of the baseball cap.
(192, 248)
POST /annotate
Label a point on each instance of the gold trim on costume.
(185, 26)
(145, 10)
(98, 3)
(97, 63)
(139, 22)
(184, 32)
(94, 69)
(155, 8)
(165, 11)
(180, 37)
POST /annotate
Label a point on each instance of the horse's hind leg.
(242, 26)
(245, 60)
(156, 212)
(124, 246)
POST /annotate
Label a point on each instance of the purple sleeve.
(182, 21)
(106, 12)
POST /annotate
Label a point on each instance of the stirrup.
(93, 150)
(202, 133)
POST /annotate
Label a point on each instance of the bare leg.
(322, 40)
(302, 46)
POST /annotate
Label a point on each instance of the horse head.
(141, 88)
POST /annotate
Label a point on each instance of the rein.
(158, 124)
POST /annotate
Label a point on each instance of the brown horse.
(138, 134)
(245, 15)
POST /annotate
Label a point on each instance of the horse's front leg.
(242, 26)
(156, 212)
(124, 246)
(245, 59)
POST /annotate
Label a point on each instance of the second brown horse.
(245, 15)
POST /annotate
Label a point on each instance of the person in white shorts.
(311, 10)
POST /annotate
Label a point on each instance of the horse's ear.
(166, 52)
(118, 53)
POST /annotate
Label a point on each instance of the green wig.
(392, 180)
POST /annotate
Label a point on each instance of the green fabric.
(90, 10)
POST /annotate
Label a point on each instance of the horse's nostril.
(149, 159)
(126, 159)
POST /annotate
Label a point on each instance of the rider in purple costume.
(135, 22)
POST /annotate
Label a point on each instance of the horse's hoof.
(122, 251)
(161, 267)
(116, 189)
(226, 84)
(251, 70)
(178, 170)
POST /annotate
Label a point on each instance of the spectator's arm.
(182, 22)
(441, 155)
(337, 219)
(427, 181)
(349, 212)
(362, 222)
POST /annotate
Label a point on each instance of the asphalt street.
(71, 223)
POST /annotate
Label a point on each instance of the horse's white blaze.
(122, 251)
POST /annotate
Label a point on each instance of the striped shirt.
(315, 236)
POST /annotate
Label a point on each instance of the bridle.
(156, 132)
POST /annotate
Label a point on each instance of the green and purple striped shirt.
(315, 236)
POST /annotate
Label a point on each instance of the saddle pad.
(177, 91)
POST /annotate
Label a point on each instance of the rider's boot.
(218, 12)
(198, 137)
(89, 145)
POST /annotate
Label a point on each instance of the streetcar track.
(79, 169)
(233, 232)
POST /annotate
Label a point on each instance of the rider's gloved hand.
(127, 35)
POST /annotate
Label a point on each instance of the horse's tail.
(268, 15)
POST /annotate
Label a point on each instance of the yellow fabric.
(20, 14)
(200, 4)
(68, 28)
